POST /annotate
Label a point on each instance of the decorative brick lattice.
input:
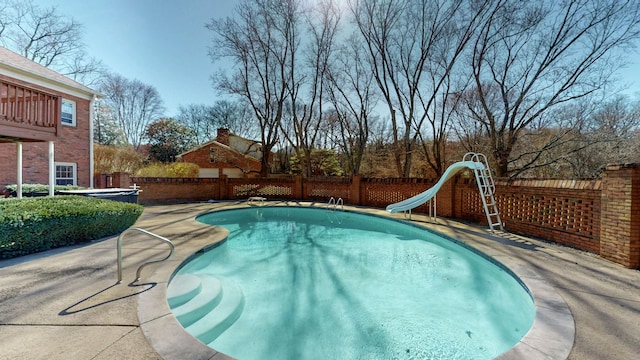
(322, 189)
(567, 214)
(382, 192)
(242, 188)
(276, 191)
(564, 211)
(327, 193)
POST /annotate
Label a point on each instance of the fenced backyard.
(601, 216)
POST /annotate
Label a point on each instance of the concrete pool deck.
(65, 304)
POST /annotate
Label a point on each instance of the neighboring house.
(45, 125)
(229, 155)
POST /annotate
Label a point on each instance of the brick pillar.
(445, 198)
(99, 181)
(354, 191)
(121, 180)
(297, 190)
(223, 185)
(620, 215)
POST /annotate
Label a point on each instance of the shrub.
(110, 159)
(324, 162)
(171, 170)
(34, 189)
(37, 224)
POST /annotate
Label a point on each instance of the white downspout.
(52, 169)
(92, 114)
(19, 173)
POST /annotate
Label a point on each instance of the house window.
(65, 173)
(68, 116)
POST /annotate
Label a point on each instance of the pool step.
(209, 327)
(183, 288)
(206, 300)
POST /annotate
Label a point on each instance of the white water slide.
(423, 197)
(477, 163)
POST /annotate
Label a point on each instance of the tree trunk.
(502, 157)
(265, 164)
(406, 171)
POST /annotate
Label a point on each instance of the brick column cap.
(614, 167)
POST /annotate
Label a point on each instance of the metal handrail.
(331, 201)
(119, 246)
(335, 203)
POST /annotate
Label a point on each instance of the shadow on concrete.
(85, 304)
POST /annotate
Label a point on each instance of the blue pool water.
(302, 283)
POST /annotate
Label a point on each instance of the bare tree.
(235, 116)
(84, 69)
(530, 57)
(204, 120)
(5, 20)
(48, 38)
(412, 47)
(352, 92)
(307, 81)
(611, 135)
(105, 128)
(198, 118)
(133, 105)
(379, 151)
(261, 40)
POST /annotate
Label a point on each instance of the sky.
(164, 44)
(161, 43)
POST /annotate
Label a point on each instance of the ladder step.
(487, 188)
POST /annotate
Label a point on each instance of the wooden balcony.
(27, 114)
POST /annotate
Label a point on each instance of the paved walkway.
(65, 303)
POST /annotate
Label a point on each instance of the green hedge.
(38, 189)
(42, 223)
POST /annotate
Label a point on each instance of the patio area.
(64, 303)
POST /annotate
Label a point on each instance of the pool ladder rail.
(333, 204)
(119, 248)
(487, 188)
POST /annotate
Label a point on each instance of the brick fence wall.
(567, 212)
(601, 216)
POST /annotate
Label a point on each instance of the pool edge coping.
(551, 336)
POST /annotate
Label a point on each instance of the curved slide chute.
(427, 195)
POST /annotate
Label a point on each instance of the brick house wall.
(74, 143)
(72, 146)
(219, 155)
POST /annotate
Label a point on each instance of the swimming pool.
(302, 283)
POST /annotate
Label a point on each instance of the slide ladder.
(487, 189)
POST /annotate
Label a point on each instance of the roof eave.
(26, 75)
